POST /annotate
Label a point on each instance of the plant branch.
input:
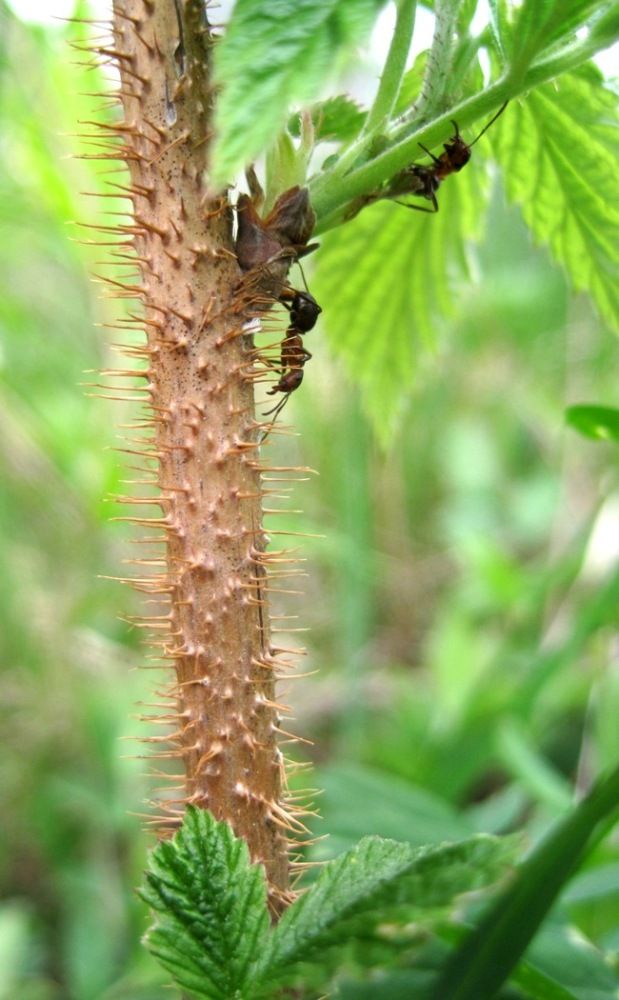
(395, 65)
(333, 193)
(439, 58)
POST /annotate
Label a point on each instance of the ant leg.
(434, 158)
(420, 208)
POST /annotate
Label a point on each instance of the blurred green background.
(461, 596)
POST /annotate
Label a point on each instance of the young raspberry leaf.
(275, 54)
(377, 882)
(559, 151)
(211, 905)
(386, 281)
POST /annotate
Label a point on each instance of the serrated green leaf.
(212, 921)
(540, 24)
(597, 422)
(559, 151)
(376, 882)
(338, 119)
(275, 53)
(386, 280)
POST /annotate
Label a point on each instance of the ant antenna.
(487, 126)
(277, 408)
(303, 275)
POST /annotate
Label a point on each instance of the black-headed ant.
(303, 308)
(304, 311)
(424, 180)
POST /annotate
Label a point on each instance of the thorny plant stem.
(333, 191)
(202, 452)
(391, 77)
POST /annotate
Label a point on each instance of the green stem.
(392, 74)
(439, 59)
(332, 192)
(331, 195)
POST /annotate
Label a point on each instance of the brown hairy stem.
(210, 583)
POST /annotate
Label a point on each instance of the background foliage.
(462, 585)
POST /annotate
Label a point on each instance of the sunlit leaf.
(337, 119)
(540, 23)
(388, 277)
(274, 54)
(559, 151)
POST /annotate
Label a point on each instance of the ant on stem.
(424, 180)
(304, 312)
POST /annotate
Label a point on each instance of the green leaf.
(389, 986)
(567, 958)
(276, 53)
(489, 953)
(535, 774)
(597, 422)
(376, 882)
(386, 281)
(212, 921)
(360, 800)
(593, 885)
(543, 23)
(338, 119)
(559, 152)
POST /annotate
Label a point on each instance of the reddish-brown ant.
(424, 180)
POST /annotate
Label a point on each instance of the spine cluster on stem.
(205, 566)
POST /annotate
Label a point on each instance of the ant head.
(304, 311)
(458, 152)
